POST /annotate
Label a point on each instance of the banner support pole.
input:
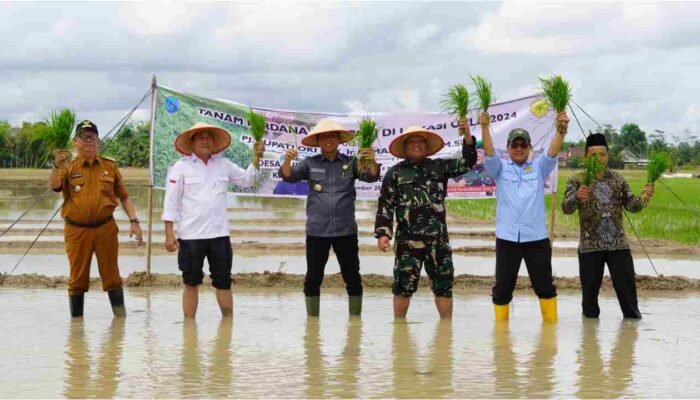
(553, 209)
(154, 89)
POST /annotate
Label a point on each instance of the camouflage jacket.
(416, 194)
(600, 217)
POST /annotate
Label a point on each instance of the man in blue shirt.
(521, 231)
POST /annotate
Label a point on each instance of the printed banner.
(176, 111)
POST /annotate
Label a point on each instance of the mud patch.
(267, 279)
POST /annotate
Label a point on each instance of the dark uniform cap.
(596, 139)
(519, 133)
(86, 124)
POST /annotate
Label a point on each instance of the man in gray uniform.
(330, 209)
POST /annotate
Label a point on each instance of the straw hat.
(326, 125)
(435, 142)
(222, 139)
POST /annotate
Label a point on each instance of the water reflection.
(316, 378)
(538, 378)
(323, 379)
(78, 361)
(347, 384)
(435, 380)
(596, 379)
(221, 369)
(192, 371)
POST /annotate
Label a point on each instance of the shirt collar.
(339, 157)
(193, 158)
(79, 160)
(527, 162)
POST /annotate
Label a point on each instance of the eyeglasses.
(88, 136)
(519, 145)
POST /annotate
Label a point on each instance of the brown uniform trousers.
(90, 193)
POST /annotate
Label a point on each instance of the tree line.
(31, 144)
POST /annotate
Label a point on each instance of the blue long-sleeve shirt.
(520, 215)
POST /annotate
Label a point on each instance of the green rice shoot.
(658, 163)
(366, 133)
(557, 91)
(592, 168)
(484, 92)
(257, 125)
(456, 101)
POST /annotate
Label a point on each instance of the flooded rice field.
(269, 349)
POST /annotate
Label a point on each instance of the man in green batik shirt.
(414, 190)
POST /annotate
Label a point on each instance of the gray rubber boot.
(313, 306)
(355, 305)
(116, 299)
(76, 302)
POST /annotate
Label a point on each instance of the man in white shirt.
(195, 197)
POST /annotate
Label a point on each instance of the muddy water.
(269, 349)
(57, 265)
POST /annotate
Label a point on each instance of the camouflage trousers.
(410, 257)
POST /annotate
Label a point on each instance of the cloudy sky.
(627, 62)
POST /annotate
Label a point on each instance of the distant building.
(632, 161)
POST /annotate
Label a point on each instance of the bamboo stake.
(154, 89)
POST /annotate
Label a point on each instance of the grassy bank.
(666, 218)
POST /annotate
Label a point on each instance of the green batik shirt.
(600, 217)
(415, 193)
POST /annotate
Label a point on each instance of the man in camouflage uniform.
(415, 190)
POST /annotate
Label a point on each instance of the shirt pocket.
(77, 186)
(436, 188)
(107, 185)
(530, 184)
(192, 182)
(406, 188)
(317, 175)
(221, 184)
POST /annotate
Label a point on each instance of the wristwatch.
(134, 221)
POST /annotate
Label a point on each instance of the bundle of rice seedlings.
(658, 164)
(257, 131)
(484, 93)
(592, 168)
(456, 102)
(364, 138)
(557, 91)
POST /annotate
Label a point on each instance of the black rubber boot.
(355, 305)
(76, 301)
(116, 299)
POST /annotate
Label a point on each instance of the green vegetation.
(557, 91)
(592, 168)
(130, 146)
(658, 163)
(484, 92)
(456, 101)
(665, 218)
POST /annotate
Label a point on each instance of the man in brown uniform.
(91, 185)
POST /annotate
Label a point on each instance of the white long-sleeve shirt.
(195, 195)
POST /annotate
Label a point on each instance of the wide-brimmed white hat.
(327, 125)
(435, 142)
(222, 139)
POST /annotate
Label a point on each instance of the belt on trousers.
(95, 224)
